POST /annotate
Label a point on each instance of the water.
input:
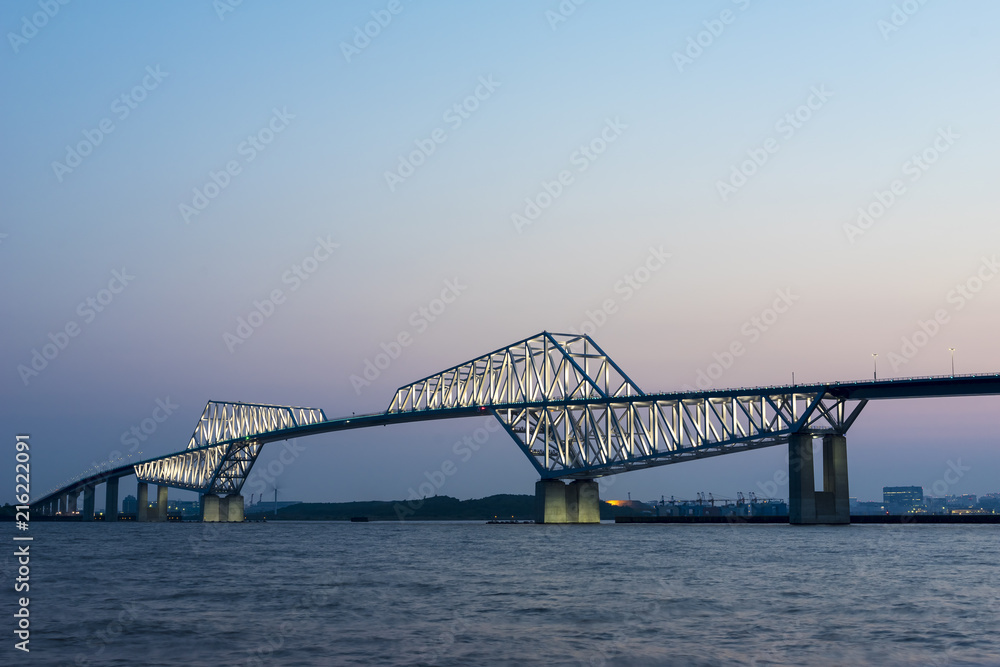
(476, 594)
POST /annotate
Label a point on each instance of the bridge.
(571, 410)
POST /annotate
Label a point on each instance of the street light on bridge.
(952, 350)
(875, 365)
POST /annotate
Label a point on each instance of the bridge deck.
(894, 388)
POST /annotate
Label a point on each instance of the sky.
(173, 172)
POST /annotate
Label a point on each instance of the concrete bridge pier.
(88, 503)
(210, 508)
(111, 499)
(141, 501)
(62, 504)
(234, 507)
(576, 502)
(71, 501)
(161, 503)
(807, 506)
(223, 510)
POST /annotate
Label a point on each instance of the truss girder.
(574, 412)
(221, 422)
(543, 368)
(592, 438)
(222, 449)
(187, 470)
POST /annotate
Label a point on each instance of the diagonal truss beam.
(542, 368)
(223, 449)
(575, 413)
(593, 438)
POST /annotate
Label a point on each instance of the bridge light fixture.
(952, 361)
(875, 362)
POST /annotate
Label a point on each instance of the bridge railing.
(774, 388)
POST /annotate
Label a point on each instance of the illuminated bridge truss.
(223, 449)
(567, 405)
(591, 439)
(547, 367)
(575, 413)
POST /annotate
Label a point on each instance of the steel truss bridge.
(563, 401)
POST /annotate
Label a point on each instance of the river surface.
(475, 594)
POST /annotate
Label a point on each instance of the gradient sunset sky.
(177, 163)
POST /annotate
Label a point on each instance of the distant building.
(130, 505)
(186, 508)
(936, 505)
(769, 507)
(903, 499)
(990, 502)
(967, 501)
(867, 508)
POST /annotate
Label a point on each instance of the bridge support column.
(834, 504)
(801, 480)
(142, 501)
(161, 503)
(224, 508)
(62, 504)
(550, 501)
(71, 501)
(88, 502)
(234, 507)
(584, 494)
(557, 502)
(806, 505)
(210, 508)
(111, 499)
